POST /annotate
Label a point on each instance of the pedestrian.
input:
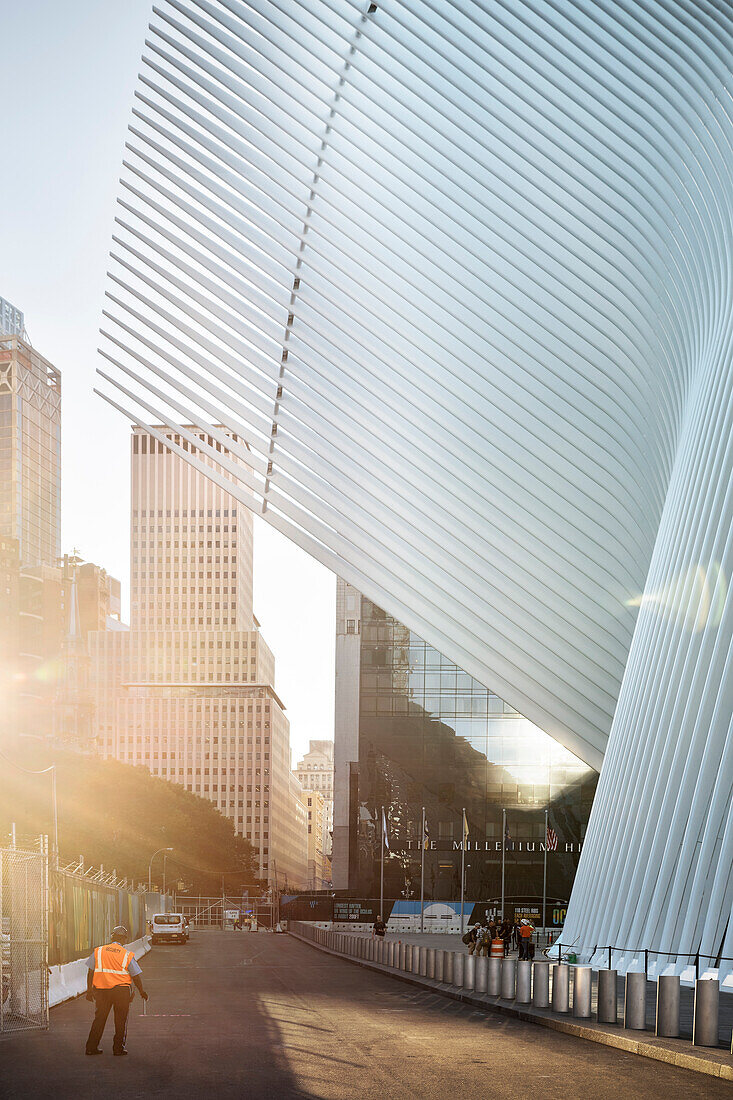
(526, 931)
(380, 927)
(112, 971)
(515, 934)
(484, 942)
(474, 934)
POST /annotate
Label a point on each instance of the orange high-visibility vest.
(110, 966)
(526, 931)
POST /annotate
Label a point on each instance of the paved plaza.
(263, 1016)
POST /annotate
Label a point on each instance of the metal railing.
(693, 958)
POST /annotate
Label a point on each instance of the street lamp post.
(150, 868)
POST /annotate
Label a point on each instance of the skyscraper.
(423, 733)
(315, 772)
(188, 691)
(30, 445)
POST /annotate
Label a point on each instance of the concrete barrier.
(494, 979)
(635, 1001)
(524, 981)
(424, 962)
(481, 982)
(668, 1006)
(70, 979)
(607, 1007)
(469, 971)
(541, 985)
(582, 990)
(508, 979)
(706, 1016)
(561, 988)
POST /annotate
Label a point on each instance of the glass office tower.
(430, 736)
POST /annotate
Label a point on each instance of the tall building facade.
(428, 735)
(315, 772)
(318, 862)
(30, 451)
(188, 691)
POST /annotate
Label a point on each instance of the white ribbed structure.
(459, 273)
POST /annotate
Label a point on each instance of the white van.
(168, 928)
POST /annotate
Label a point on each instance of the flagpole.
(422, 874)
(544, 880)
(503, 860)
(381, 870)
(463, 864)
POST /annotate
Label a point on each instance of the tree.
(117, 815)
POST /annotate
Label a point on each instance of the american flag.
(551, 840)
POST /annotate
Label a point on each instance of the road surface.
(254, 1015)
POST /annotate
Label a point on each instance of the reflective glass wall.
(430, 735)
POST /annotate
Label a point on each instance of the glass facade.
(430, 735)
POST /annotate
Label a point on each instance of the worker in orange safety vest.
(112, 972)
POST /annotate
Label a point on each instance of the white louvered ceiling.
(437, 264)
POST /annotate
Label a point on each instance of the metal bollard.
(494, 982)
(607, 1008)
(417, 953)
(459, 960)
(635, 1001)
(508, 979)
(561, 988)
(424, 962)
(448, 967)
(668, 1006)
(439, 956)
(481, 982)
(469, 971)
(582, 989)
(707, 1011)
(430, 963)
(401, 956)
(524, 981)
(541, 985)
(408, 958)
(392, 950)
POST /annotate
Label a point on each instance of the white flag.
(384, 830)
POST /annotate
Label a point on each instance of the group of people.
(518, 934)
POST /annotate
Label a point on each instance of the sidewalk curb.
(679, 1053)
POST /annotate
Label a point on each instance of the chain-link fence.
(226, 912)
(23, 939)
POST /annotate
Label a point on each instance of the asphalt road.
(257, 1015)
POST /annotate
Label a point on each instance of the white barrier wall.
(70, 979)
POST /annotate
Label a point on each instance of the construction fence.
(53, 918)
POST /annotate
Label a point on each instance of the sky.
(68, 75)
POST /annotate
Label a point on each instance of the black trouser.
(117, 998)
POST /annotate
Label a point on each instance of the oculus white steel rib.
(457, 276)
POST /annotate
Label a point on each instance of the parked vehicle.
(169, 928)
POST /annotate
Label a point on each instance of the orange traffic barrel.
(497, 949)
